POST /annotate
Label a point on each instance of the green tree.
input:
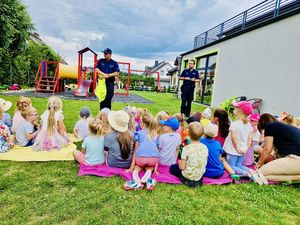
(15, 27)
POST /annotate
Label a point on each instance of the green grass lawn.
(51, 192)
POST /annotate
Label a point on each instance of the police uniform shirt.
(191, 74)
(107, 67)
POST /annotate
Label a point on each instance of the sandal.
(150, 184)
(132, 185)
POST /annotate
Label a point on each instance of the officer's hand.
(193, 79)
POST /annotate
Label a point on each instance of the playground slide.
(83, 88)
(67, 71)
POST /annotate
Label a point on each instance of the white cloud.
(138, 30)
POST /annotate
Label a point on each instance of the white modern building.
(254, 54)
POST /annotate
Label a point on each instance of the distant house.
(162, 68)
(174, 72)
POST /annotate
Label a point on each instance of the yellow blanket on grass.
(26, 154)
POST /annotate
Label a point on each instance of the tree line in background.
(19, 54)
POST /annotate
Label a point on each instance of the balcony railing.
(256, 15)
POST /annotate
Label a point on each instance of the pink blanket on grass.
(164, 175)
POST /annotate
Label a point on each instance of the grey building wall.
(263, 63)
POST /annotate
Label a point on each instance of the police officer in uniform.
(189, 76)
(108, 69)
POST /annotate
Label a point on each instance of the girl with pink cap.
(239, 138)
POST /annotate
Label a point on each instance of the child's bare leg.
(135, 174)
(147, 174)
(227, 167)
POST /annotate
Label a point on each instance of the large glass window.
(206, 66)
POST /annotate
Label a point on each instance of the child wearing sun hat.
(5, 105)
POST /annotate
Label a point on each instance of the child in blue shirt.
(214, 167)
(92, 152)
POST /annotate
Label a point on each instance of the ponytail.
(95, 126)
(51, 120)
(125, 143)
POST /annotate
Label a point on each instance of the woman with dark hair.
(285, 140)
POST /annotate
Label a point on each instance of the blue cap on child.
(85, 112)
(171, 122)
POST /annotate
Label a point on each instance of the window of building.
(206, 66)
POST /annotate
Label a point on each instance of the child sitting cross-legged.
(81, 129)
(18, 119)
(214, 167)
(168, 143)
(191, 168)
(53, 134)
(92, 152)
(146, 155)
(27, 131)
(119, 143)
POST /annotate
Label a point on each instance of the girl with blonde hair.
(146, 155)
(53, 132)
(18, 119)
(92, 152)
(162, 115)
(27, 131)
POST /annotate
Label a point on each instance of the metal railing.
(258, 14)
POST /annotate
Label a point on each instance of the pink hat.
(254, 117)
(245, 106)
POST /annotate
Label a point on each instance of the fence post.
(205, 39)
(244, 20)
(277, 6)
(221, 30)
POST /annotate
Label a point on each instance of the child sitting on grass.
(81, 129)
(162, 115)
(6, 118)
(214, 167)
(119, 143)
(6, 139)
(193, 161)
(18, 119)
(53, 132)
(146, 155)
(205, 117)
(27, 131)
(92, 152)
(168, 143)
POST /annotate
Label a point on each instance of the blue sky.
(137, 31)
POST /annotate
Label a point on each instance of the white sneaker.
(262, 177)
(255, 177)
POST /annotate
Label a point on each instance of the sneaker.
(235, 176)
(262, 177)
(255, 177)
(132, 185)
(150, 184)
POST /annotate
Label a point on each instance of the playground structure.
(45, 81)
(51, 76)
